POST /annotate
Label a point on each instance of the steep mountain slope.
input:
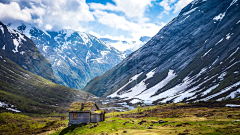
(76, 57)
(194, 57)
(20, 49)
(23, 91)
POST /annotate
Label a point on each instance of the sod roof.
(77, 106)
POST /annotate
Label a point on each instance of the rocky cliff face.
(194, 57)
(76, 57)
(22, 50)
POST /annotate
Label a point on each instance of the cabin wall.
(95, 118)
(83, 117)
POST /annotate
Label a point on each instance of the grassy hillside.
(30, 93)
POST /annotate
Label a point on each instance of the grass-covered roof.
(77, 106)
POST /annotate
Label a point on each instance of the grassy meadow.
(173, 119)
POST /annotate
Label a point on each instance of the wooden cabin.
(85, 112)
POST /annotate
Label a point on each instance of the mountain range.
(76, 57)
(194, 57)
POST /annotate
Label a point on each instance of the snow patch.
(192, 10)
(221, 77)
(206, 52)
(219, 17)
(135, 77)
(185, 18)
(3, 48)
(22, 52)
(6, 106)
(16, 44)
(233, 53)
(103, 53)
(238, 22)
(219, 41)
(228, 36)
(232, 105)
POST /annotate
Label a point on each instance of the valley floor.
(175, 119)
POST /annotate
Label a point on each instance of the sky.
(125, 20)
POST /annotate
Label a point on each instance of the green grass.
(12, 124)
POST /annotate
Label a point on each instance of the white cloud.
(181, 4)
(67, 14)
(13, 12)
(119, 22)
(166, 5)
(57, 13)
(131, 8)
(115, 21)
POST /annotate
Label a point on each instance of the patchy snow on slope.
(178, 92)
(139, 88)
(219, 17)
(221, 92)
(192, 10)
(146, 95)
(233, 94)
(115, 94)
(221, 77)
(16, 44)
(209, 89)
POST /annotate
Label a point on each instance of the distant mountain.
(22, 50)
(194, 57)
(76, 57)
